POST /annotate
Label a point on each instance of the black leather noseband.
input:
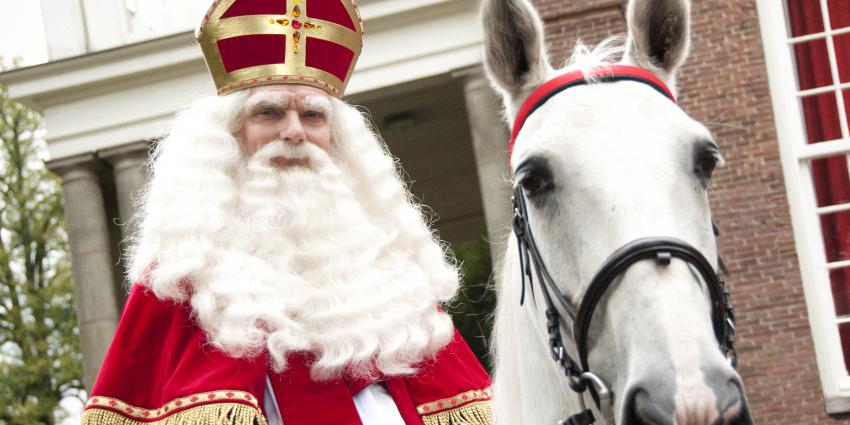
(662, 250)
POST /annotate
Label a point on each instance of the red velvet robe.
(160, 369)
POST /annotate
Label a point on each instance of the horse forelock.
(586, 58)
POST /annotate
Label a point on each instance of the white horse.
(598, 165)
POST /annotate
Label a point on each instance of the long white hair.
(336, 260)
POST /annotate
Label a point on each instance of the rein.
(660, 249)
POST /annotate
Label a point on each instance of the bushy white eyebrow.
(317, 104)
(261, 99)
(281, 100)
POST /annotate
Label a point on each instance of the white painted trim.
(74, 78)
(795, 156)
(822, 90)
(833, 209)
(822, 149)
(371, 10)
(838, 265)
(818, 35)
(833, 65)
(415, 68)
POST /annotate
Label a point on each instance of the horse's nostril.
(743, 419)
(729, 395)
(736, 410)
(643, 410)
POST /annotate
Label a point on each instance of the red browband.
(605, 74)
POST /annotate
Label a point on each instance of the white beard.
(302, 266)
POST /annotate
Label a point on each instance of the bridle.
(660, 249)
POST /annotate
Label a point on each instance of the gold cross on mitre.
(248, 43)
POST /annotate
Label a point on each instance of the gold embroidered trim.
(208, 414)
(475, 413)
(453, 402)
(215, 407)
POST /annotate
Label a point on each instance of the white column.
(94, 280)
(490, 144)
(129, 169)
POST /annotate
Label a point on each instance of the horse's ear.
(515, 57)
(659, 35)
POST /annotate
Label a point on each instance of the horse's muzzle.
(723, 403)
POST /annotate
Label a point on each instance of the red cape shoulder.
(160, 357)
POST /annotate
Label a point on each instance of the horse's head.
(600, 165)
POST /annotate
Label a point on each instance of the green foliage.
(40, 361)
(472, 311)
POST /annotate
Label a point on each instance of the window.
(807, 51)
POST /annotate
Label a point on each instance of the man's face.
(291, 113)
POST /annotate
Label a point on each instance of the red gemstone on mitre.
(296, 24)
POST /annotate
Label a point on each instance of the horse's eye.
(706, 161)
(534, 182)
(706, 165)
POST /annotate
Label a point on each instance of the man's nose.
(291, 130)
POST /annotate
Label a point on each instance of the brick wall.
(724, 84)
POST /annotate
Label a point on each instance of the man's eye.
(267, 112)
(314, 115)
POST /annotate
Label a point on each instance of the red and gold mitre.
(248, 43)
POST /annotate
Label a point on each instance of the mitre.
(248, 43)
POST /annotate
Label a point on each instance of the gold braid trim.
(475, 413)
(208, 414)
(453, 402)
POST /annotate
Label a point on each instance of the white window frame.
(796, 157)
